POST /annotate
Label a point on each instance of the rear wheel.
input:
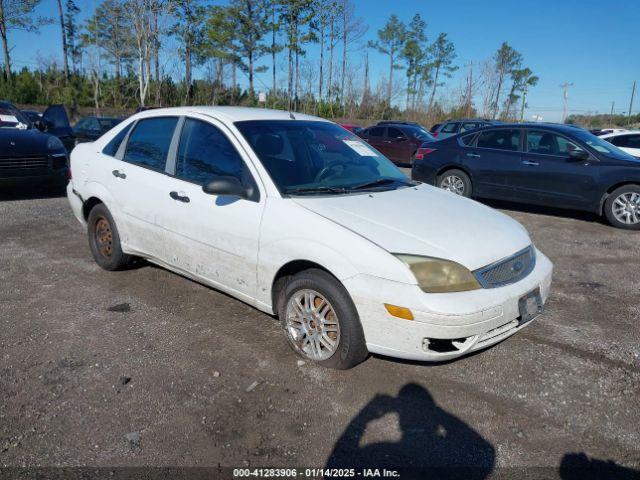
(622, 207)
(455, 181)
(320, 320)
(104, 240)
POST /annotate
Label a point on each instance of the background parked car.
(398, 142)
(604, 131)
(453, 127)
(33, 115)
(89, 129)
(28, 155)
(352, 127)
(629, 141)
(555, 165)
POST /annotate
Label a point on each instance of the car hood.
(424, 220)
(14, 141)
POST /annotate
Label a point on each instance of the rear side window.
(149, 142)
(112, 147)
(375, 132)
(468, 126)
(394, 133)
(205, 152)
(450, 128)
(503, 139)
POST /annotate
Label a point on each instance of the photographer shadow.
(578, 466)
(432, 440)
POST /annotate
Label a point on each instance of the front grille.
(508, 270)
(24, 163)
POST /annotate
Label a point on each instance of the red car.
(352, 127)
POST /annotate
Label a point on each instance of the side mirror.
(579, 155)
(224, 185)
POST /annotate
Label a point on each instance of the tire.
(104, 240)
(310, 339)
(622, 207)
(455, 181)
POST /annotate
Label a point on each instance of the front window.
(306, 157)
(547, 143)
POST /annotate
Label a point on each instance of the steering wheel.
(326, 171)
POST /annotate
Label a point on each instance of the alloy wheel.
(312, 325)
(453, 184)
(626, 208)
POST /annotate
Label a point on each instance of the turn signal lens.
(400, 312)
(436, 275)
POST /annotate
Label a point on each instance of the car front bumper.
(474, 319)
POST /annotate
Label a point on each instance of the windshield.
(601, 146)
(420, 134)
(11, 117)
(305, 157)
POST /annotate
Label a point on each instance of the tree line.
(130, 53)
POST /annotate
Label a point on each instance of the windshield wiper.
(311, 190)
(378, 182)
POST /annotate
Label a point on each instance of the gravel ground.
(145, 367)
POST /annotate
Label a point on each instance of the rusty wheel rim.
(104, 237)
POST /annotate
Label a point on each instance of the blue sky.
(590, 43)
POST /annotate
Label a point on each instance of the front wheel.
(320, 320)
(455, 181)
(622, 207)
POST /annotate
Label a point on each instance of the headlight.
(435, 275)
(54, 143)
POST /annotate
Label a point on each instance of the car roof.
(230, 114)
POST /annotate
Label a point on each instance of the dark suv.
(398, 142)
(555, 165)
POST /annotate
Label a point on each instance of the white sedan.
(629, 141)
(302, 219)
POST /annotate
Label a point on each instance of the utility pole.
(611, 115)
(469, 88)
(633, 92)
(565, 96)
(524, 101)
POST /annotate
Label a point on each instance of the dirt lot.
(145, 367)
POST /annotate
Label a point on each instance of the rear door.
(550, 176)
(397, 145)
(492, 158)
(375, 136)
(136, 183)
(58, 124)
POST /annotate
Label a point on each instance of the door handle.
(179, 196)
(532, 164)
(474, 155)
(119, 174)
